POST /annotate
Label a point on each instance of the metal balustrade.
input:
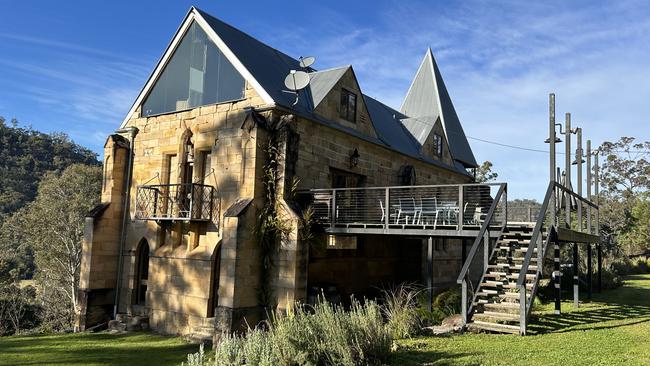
(177, 202)
(431, 207)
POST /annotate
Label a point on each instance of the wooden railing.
(560, 208)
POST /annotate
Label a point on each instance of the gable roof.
(265, 68)
(321, 82)
(428, 99)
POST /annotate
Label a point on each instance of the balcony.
(190, 202)
(454, 209)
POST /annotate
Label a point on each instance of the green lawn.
(94, 349)
(614, 329)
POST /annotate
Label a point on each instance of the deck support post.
(589, 272)
(556, 277)
(600, 267)
(576, 296)
(430, 273)
(463, 253)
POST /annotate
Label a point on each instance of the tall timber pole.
(552, 140)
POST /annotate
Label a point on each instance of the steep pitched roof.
(321, 82)
(265, 68)
(428, 99)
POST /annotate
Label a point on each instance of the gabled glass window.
(197, 74)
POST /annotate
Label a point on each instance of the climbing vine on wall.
(271, 226)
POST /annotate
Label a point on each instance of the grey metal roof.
(321, 82)
(428, 97)
(270, 66)
(420, 127)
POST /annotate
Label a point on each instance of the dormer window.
(348, 110)
(437, 145)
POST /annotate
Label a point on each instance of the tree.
(625, 180)
(484, 173)
(52, 225)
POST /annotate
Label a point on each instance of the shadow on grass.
(94, 349)
(414, 355)
(623, 306)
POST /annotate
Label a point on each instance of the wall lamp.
(354, 158)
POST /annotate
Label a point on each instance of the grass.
(94, 349)
(613, 329)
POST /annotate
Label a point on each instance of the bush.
(627, 266)
(401, 309)
(610, 278)
(446, 303)
(323, 335)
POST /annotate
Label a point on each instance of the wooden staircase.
(496, 305)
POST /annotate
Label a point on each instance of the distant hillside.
(25, 155)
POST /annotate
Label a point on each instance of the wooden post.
(589, 270)
(557, 277)
(464, 252)
(579, 176)
(589, 182)
(430, 272)
(567, 171)
(551, 139)
(600, 268)
(576, 296)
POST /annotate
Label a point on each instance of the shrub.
(323, 335)
(401, 309)
(610, 278)
(446, 303)
(229, 351)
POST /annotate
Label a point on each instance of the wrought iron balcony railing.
(177, 202)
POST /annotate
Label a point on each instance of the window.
(197, 74)
(343, 179)
(437, 145)
(348, 105)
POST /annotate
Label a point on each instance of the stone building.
(186, 180)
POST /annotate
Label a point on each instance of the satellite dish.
(307, 61)
(296, 80)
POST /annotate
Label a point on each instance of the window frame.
(345, 114)
(437, 145)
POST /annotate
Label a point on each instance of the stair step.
(513, 285)
(493, 274)
(498, 316)
(515, 276)
(532, 259)
(494, 327)
(507, 306)
(518, 267)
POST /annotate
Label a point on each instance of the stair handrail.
(534, 237)
(503, 189)
(535, 242)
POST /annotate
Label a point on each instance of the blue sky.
(77, 66)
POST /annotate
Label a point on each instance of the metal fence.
(431, 207)
(183, 202)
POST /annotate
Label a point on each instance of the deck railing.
(177, 202)
(457, 206)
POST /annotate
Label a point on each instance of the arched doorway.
(141, 272)
(213, 299)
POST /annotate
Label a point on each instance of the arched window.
(141, 272)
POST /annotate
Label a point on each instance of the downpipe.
(133, 131)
